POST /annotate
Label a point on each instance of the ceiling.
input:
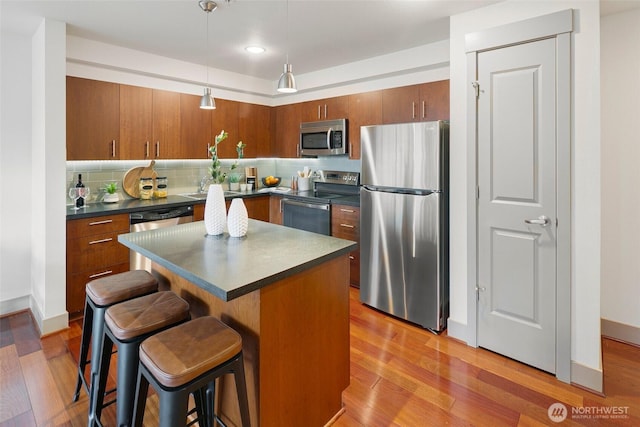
(321, 33)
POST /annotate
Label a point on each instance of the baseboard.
(620, 331)
(49, 325)
(457, 330)
(587, 378)
(14, 305)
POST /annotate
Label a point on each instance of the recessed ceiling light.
(254, 49)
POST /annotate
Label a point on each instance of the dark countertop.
(136, 205)
(230, 267)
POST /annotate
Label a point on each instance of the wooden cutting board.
(131, 179)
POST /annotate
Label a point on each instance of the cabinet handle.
(104, 273)
(347, 225)
(319, 115)
(146, 150)
(413, 110)
(297, 151)
(281, 199)
(208, 152)
(325, 111)
(94, 242)
(106, 221)
(424, 110)
(351, 257)
(347, 210)
(113, 148)
(157, 149)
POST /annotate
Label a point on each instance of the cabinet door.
(166, 125)
(275, 210)
(258, 207)
(364, 109)
(136, 119)
(254, 129)
(401, 104)
(287, 137)
(225, 117)
(195, 128)
(93, 123)
(325, 109)
(434, 102)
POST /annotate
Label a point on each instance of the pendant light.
(287, 82)
(207, 102)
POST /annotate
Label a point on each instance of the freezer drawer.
(402, 256)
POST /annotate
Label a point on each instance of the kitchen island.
(286, 291)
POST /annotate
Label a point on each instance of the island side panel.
(304, 346)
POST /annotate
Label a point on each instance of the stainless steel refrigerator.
(404, 219)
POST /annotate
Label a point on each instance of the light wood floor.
(400, 376)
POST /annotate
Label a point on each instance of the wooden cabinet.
(195, 128)
(364, 109)
(287, 135)
(345, 224)
(258, 207)
(423, 102)
(166, 125)
(275, 210)
(198, 212)
(93, 251)
(325, 109)
(136, 122)
(93, 123)
(254, 129)
(225, 117)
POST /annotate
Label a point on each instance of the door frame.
(558, 26)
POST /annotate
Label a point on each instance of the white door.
(517, 202)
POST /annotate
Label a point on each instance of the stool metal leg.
(128, 359)
(99, 381)
(142, 388)
(241, 389)
(87, 327)
(173, 407)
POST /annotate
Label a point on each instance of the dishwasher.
(151, 220)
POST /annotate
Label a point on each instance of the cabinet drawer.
(98, 225)
(345, 230)
(347, 213)
(76, 284)
(93, 252)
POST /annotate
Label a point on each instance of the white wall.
(15, 172)
(620, 80)
(585, 203)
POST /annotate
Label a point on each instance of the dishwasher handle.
(322, 206)
(160, 214)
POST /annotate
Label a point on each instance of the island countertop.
(229, 267)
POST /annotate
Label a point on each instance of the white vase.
(215, 211)
(238, 220)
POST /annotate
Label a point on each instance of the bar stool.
(187, 359)
(102, 293)
(127, 325)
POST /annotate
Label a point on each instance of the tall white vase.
(215, 211)
(238, 220)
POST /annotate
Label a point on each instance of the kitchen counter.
(286, 291)
(229, 267)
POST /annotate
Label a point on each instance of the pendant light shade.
(287, 82)
(207, 102)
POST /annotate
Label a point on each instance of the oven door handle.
(329, 138)
(322, 206)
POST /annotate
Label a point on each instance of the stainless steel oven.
(151, 220)
(307, 215)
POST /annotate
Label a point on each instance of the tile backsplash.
(184, 176)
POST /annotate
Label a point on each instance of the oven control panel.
(340, 177)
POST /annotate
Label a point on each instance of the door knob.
(541, 220)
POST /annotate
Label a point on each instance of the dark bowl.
(272, 184)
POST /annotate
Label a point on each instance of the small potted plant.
(111, 195)
(234, 181)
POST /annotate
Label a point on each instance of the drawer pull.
(351, 257)
(347, 210)
(93, 242)
(106, 221)
(104, 273)
(347, 225)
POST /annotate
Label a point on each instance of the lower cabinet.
(275, 210)
(93, 251)
(345, 224)
(257, 208)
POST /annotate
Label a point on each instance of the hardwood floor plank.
(14, 399)
(47, 405)
(25, 337)
(6, 336)
(23, 420)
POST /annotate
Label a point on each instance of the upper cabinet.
(136, 122)
(93, 123)
(166, 125)
(195, 128)
(423, 102)
(254, 129)
(364, 109)
(225, 117)
(325, 109)
(287, 135)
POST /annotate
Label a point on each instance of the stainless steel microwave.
(324, 138)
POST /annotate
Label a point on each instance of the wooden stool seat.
(186, 360)
(101, 294)
(180, 354)
(127, 325)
